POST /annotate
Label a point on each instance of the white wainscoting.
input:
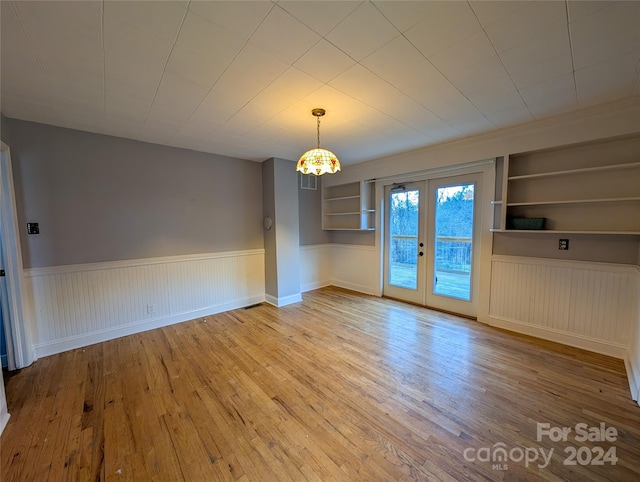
(354, 267)
(587, 305)
(79, 305)
(315, 266)
(345, 265)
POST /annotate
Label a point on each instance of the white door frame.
(412, 295)
(20, 351)
(443, 302)
(484, 167)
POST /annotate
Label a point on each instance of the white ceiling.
(240, 78)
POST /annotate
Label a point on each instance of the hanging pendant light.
(318, 161)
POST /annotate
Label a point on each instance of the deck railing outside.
(452, 253)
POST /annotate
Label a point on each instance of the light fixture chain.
(318, 118)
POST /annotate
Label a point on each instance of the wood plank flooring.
(339, 387)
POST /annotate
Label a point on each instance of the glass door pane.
(454, 208)
(452, 247)
(403, 245)
(404, 260)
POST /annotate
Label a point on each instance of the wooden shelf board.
(576, 201)
(627, 165)
(341, 198)
(560, 231)
(348, 229)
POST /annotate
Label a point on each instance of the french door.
(404, 259)
(432, 233)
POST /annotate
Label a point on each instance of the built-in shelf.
(342, 198)
(352, 229)
(567, 172)
(348, 207)
(577, 201)
(589, 188)
(557, 231)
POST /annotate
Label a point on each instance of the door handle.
(1, 272)
(421, 245)
(421, 253)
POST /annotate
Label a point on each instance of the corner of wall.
(279, 302)
(632, 360)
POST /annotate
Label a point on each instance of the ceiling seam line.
(438, 70)
(405, 94)
(385, 113)
(402, 92)
(452, 84)
(164, 69)
(324, 37)
(228, 65)
(501, 61)
(33, 50)
(340, 23)
(291, 66)
(573, 64)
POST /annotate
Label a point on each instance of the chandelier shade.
(318, 161)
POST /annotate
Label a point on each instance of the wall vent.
(308, 181)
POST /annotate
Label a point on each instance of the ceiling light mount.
(318, 161)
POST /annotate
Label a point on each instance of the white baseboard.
(598, 346)
(75, 306)
(314, 286)
(284, 300)
(353, 287)
(633, 375)
(71, 343)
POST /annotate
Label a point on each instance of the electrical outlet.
(151, 309)
(563, 244)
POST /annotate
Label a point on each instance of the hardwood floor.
(339, 387)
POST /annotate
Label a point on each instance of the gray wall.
(310, 211)
(311, 232)
(363, 238)
(287, 227)
(282, 241)
(102, 198)
(582, 247)
(269, 209)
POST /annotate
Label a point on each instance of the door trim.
(468, 308)
(416, 295)
(488, 170)
(20, 352)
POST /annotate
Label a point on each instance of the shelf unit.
(591, 188)
(348, 207)
(499, 210)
